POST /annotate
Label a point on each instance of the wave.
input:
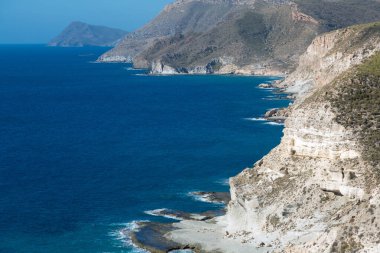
(206, 198)
(225, 181)
(123, 235)
(133, 69)
(267, 88)
(255, 119)
(163, 212)
(266, 122)
(274, 123)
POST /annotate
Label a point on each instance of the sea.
(86, 148)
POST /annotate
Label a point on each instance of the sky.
(38, 21)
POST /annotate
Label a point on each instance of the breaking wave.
(123, 236)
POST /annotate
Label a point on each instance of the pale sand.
(210, 236)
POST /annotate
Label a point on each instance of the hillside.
(79, 34)
(180, 17)
(242, 37)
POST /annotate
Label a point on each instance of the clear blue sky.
(37, 21)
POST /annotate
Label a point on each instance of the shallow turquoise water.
(87, 148)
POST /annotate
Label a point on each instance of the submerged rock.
(278, 115)
(213, 197)
(265, 85)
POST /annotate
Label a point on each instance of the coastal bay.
(88, 148)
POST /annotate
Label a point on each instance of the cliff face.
(79, 34)
(318, 191)
(332, 53)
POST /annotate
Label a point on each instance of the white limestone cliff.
(328, 56)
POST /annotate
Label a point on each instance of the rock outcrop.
(332, 53)
(218, 66)
(79, 34)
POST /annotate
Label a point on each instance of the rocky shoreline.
(153, 236)
(212, 68)
(218, 66)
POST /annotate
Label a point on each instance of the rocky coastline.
(216, 67)
(152, 236)
(318, 191)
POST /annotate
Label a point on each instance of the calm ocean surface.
(86, 148)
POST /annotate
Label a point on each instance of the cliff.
(79, 34)
(238, 37)
(318, 191)
(330, 54)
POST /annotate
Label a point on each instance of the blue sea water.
(86, 148)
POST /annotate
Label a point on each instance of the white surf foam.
(123, 235)
(158, 213)
(225, 182)
(268, 88)
(133, 69)
(202, 198)
(256, 119)
(274, 123)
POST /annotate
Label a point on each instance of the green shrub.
(356, 102)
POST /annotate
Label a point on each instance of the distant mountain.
(79, 34)
(236, 36)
